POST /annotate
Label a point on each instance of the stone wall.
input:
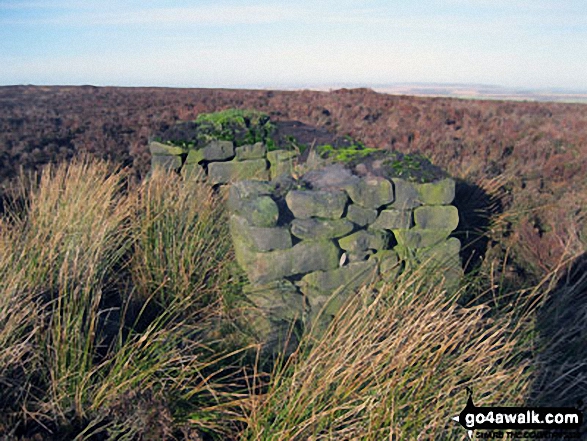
(220, 162)
(331, 230)
(300, 241)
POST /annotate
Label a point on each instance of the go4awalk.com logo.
(520, 422)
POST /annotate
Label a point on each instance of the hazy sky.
(264, 43)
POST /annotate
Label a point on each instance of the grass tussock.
(394, 369)
(116, 323)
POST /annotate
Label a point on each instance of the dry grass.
(394, 369)
(113, 324)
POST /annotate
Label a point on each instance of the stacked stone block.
(220, 162)
(332, 232)
(308, 244)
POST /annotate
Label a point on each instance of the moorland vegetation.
(120, 311)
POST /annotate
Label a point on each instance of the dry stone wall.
(220, 162)
(329, 231)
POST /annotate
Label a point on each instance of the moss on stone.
(411, 167)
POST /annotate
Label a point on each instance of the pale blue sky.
(264, 43)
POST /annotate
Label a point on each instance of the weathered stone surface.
(361, 216)
(193, 171)
(257, 238)
(443, 253)
(276, 156)
(281, 162)
(393, 219)
(437, 193)
(279, 299)
(259, 212)
(278, 169)
(327, 292)
(194, 156)
(302, 258)
(372, 192)
(350, 277)
(437, 217)
(166, 162)
(242, 190)
(358, 256)
(332, 177)
(406, 195)
(159, 149)
(389, 263)
(419, 238)
(278, 308)
(324, 204)
(224, 172)
(320, 228)
(252, 151)
(218, 151)
(364, 240)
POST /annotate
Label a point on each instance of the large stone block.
(320, 228)
(259, 212)
(242, 190)
(361, 216)
(159, 149)
(254, 151)
(194, 157)
(437, 193)
(327, 292)
(332, 177)
(419, 238)
(279, 300)
(276, 156)
(389, 264)
(406, 195)
(393, 219)
(371, 192)
(364, 240)
(225, 172)
(305, 204)
(437, 217)
(278, 308)
(278, 169)
(302, 258)
(444, 253)
(281, 162)
(257, 238)
(218, 151)
(350, 277)
(193, 171)
(166, 162)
